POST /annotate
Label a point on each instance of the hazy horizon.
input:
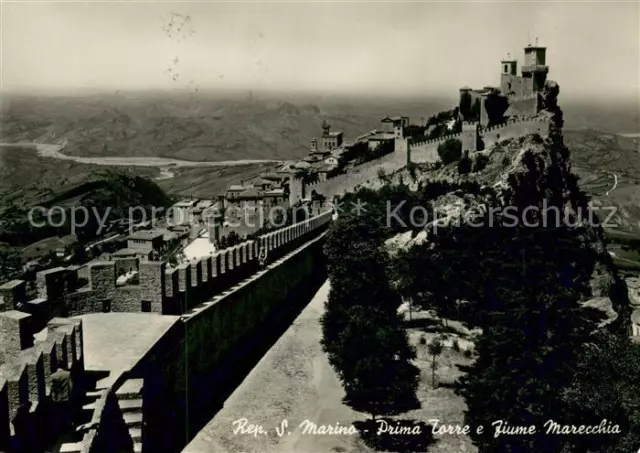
(425, 50)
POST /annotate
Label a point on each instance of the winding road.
(615, 184)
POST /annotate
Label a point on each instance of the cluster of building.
(517, 95)
(326, 158)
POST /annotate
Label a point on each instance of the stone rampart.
(492, 135)
(160, 289)
(361, 174)
(194, 367)
(26, 365)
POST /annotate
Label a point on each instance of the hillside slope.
(521, 173)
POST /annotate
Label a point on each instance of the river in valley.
(55, 151)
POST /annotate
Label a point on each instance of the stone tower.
(469, 136)
(296, 189)
(509, 75)
(314, 145)
(535, 69)
(326, 129)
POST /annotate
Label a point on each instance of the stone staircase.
(129, 397)
(73, 442)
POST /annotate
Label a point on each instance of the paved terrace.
(115, 342)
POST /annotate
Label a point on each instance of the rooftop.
(146, 235)
(382, 136)
(250, 194)
(128, 252)
(15, 314)
(185, 204)
(11, 284)
(393, 119)
(274, 193)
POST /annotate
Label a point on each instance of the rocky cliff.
(527, 180)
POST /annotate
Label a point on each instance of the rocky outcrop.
(534, 172)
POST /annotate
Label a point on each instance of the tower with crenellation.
(517, 95)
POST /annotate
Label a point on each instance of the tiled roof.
(145, 235)
(250, 194)
(274, 193)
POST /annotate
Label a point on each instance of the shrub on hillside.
(464, 164)
(480, 162)
(450, 150)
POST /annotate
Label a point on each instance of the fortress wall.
(127, 299)
(200, 359)
(513, 84)
(11, 294)
(25, 377)
(506, 131)
(83, 302)
(124, 265)
(524, 105)
(360, 174)
(203, 278)
(426, 151)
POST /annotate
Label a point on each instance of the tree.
(435, 348)
(363, 334)
(480, 162)
(464, 164)
(450, 150)
(375, 364)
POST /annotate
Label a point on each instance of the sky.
(386, 48)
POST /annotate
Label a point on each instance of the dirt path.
(292, 382)
(615, 184)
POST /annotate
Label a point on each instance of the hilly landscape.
(206, 127)
(210, 126)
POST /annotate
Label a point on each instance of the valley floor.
(294, 382)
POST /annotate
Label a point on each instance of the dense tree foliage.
(363, 334)
(450, 150)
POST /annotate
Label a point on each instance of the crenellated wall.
(361, 174)
(26, 366)
(191, 283)
(160, 289)
(426, 151)
(194, 367)
(492, 135)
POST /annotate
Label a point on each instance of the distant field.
(209, 182)
(596, 157)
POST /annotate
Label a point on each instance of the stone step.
(137, 447)
(136, 434)
(91, 407)
(130, 405)
(94, 393)
(132, 419)
(75, 447)
(131, 389)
